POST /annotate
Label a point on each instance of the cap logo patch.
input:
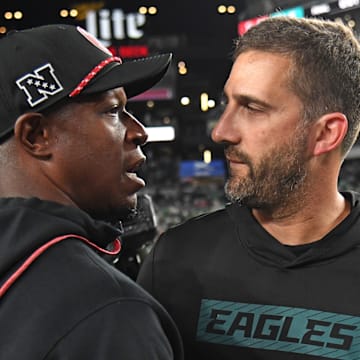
(39, 85)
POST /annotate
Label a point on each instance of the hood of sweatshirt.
(27, 224)
(343, 238)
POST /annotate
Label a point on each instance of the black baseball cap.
(45, 64)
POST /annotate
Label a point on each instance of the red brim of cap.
(134, 76)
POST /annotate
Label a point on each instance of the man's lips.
(231, 160)
(134, 178)
(131, 171)
(234, 158)
(135, 165)
(236, 165)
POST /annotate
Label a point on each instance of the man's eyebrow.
(247, 99)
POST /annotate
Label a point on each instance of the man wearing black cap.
(69, 151)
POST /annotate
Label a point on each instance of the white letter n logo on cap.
(40, 85)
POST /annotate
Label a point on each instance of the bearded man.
(271, 276)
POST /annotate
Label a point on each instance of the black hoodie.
(69, 303)
(235, 292)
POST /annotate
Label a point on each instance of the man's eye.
(114, 110)
(250, 107)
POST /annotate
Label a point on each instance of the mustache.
(232, 153)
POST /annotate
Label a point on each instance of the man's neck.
(313, 219)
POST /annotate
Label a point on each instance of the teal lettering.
(260, 327)
(246, 327)
(280, 328)
(210, 328)
(313, 332)
(335, 334)
(285, 331)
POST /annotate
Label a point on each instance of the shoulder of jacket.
(205, 219)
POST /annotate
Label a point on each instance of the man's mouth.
(135, 166)
(131, 171)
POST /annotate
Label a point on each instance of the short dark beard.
(275, 181)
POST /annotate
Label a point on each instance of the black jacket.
(70, 303)
(235, 292)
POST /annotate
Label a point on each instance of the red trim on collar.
(11, 280)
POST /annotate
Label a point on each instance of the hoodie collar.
(26, 224)
(269, 250)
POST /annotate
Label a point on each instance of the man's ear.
(330, 131)
(32, 133)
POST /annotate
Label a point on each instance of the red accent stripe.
(11, 280)
(84, 82)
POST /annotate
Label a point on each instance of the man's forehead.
(256, 68)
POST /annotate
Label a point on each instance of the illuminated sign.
(297, 11)
(160, 133)
(155, 93)
(344, 4)
(197, 168)
(244, 26)
(129, 51)
(108, 25)
(320, 9)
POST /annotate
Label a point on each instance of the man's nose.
(225, 131)
(136, 131)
